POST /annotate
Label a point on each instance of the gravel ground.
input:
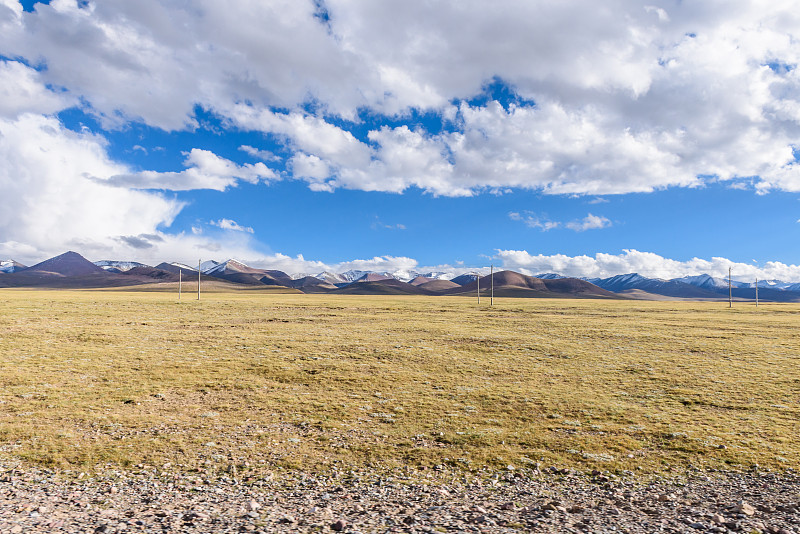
(156, 500)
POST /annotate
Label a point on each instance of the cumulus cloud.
(634, 98)
(228, 224)
(648, 264)
(47, 199)
(205, 170)
(22, 91)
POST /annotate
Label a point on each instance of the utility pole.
(198, 279)
(479, 287)
(756, 292)
(491, 299)
(730, 291)
(180, 283)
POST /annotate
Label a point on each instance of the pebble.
(746, 509)
(449, 500)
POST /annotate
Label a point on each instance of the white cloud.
(48, 201)
(532, 220)
(228, 224)
(633, 98)
(22, 91)
(378, 223)
(648, 264)
(264, 155)
(205, 170)
(590, 222)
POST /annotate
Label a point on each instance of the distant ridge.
(113, 266)
(72, 271)
(668, 288)
(438, 286)
(465, 278)
(374, 277)
(155, 273)
(388, 286)
(176, 268)
(67, 264)
(312, 284)
(513, 284)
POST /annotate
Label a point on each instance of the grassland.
(268, 380)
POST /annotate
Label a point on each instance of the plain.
(256, 381)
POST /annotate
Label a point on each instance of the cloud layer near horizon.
(631, 99)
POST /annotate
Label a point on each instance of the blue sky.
(445, 137)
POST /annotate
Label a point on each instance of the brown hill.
(67, 264)
(438, 286)
(388, 286)
(374, 277)
(157, 274)
(172, 268)
(419, 280)
(312, 284)
(576, 287)
(513, 284)
(239, 273)
(280, 278)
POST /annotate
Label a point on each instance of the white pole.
(180, 282)
(479, 286)
(756, 292)
(198, 279)
(491, 299)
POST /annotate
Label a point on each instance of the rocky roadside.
(555, 500)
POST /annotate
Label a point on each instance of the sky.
(580, 137)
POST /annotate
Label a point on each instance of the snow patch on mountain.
(218, 267)
(118, 266)
(208, 265)
(709, 282)
(10, 266)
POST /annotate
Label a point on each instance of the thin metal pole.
(180, 282)
(479, 286)
(756, 292)
(730, 291)
(198, 279)
(491, 299)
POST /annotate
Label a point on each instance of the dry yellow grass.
(310, 381)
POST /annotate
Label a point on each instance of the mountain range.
(71, 270)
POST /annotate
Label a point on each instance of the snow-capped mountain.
(353, 275)
(774, 284)
(709, 282)
(549, 276)
(622, 282)
(231, 264)
(118, 266)
(183, 266)
(466, 278)
(332, 278)
(10, 266)
(208, 265)
(437, 275)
